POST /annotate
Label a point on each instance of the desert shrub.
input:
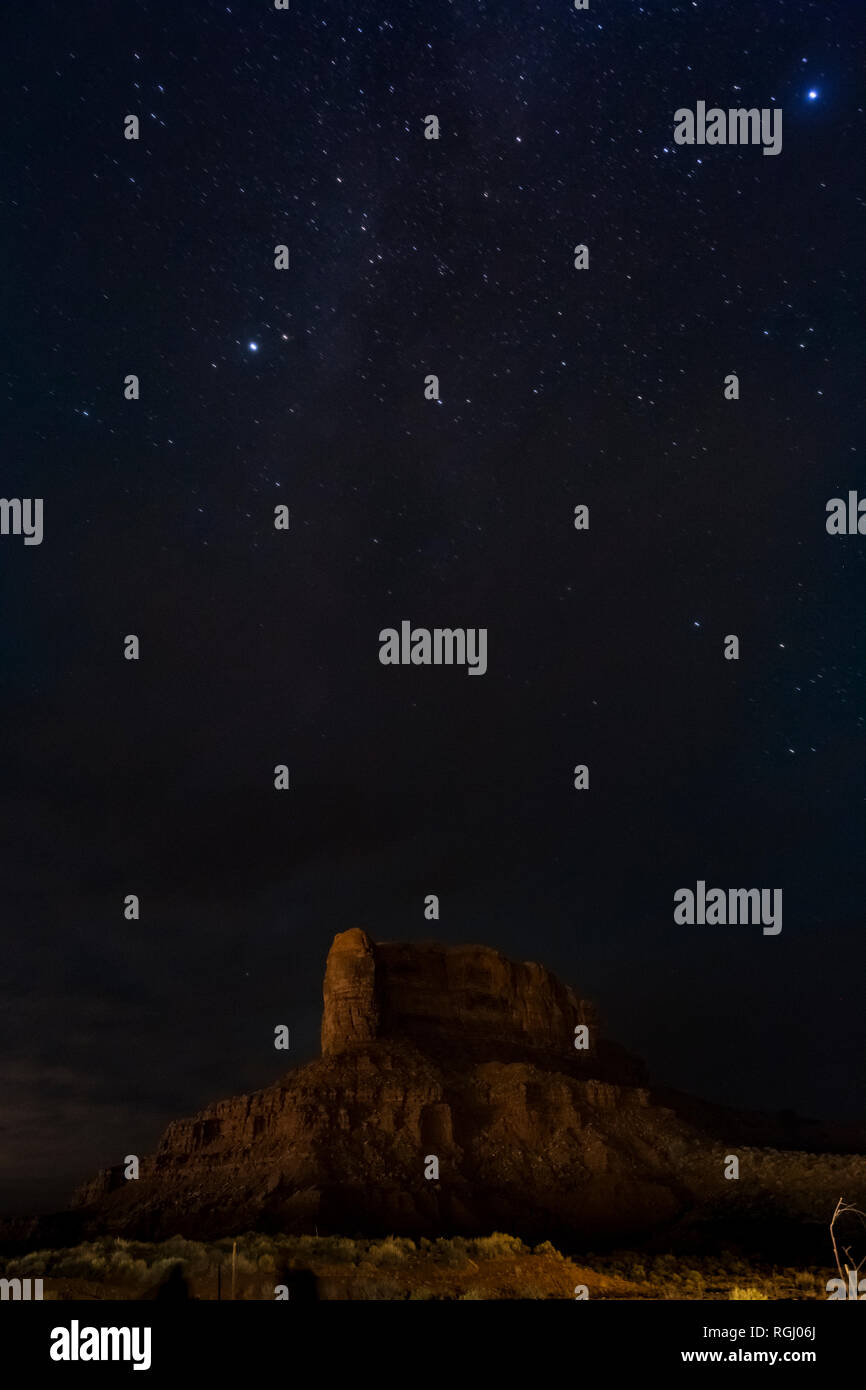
(107, 1259)
(82, 1262)
(391, 1251)
(341, 1251)
(749, 1291)
(627, 1265)
(375, 1290)
(27, 1266)
(498, 1246)
(193, 1253)
(546, 1248)
(122, 1268)
(452, 1253)
(692, 1284)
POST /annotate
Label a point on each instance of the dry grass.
(492, 1267)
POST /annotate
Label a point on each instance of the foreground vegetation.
(493, 1267)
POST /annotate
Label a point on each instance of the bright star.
(812, 95)
(253, 347)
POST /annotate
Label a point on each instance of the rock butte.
(459, 1052)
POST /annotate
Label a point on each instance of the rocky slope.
(459, 1055)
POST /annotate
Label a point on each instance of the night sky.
(260, 647)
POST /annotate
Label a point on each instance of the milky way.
(558, 387)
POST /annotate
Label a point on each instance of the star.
(253, 347)
(812, 95)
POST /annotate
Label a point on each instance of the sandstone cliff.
(459, 1054)
(461, 1004)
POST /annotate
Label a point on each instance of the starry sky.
(259, 647)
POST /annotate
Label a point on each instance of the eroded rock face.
(351, 1014)
(342, 1145)
(477, 997)
(466, 1003)
(459, 1053)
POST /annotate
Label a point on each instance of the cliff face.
(352, 1012)
(452, 1054)
(463, 1003)
(344, 1143)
